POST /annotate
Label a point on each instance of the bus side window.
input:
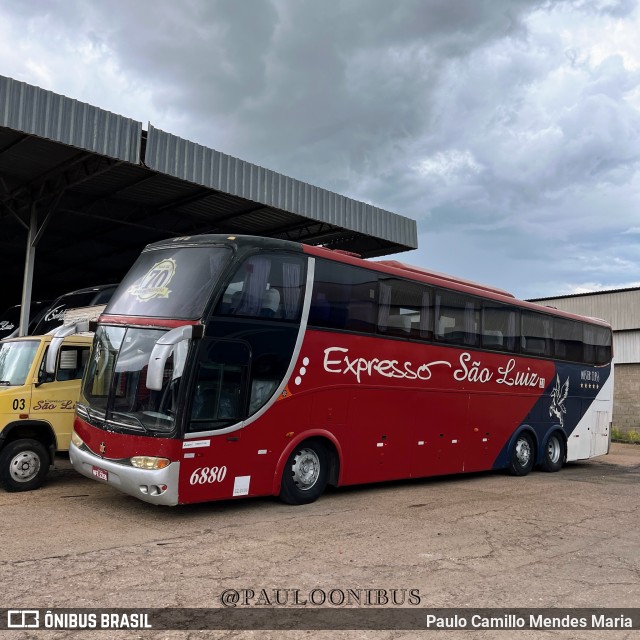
(536, 334)
(217, 396)
(265, 378)
(500, 327)
(597, 345)
(567, 339)
(404, 309)
(219, 393)
(265, 286)
(457, 318)
(344, 297)
(320, 308)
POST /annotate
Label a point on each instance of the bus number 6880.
(205, 475)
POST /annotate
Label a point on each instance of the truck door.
(54, 398)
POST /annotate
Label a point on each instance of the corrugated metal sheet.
(626, 347)
(189, 161)
(621, 309)
(35, 111)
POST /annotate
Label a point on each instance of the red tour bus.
(229, 366)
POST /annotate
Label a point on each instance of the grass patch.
(632, 436)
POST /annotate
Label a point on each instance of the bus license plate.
(99, 473)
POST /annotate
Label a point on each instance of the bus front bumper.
(159, 486)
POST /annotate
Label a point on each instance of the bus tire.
(24, 465)
(554, 453)
(305, 474)
(522, 456)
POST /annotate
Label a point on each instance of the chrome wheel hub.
(523, 452)
(305, 469)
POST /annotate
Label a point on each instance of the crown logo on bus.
(154, 283)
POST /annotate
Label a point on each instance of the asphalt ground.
(569, 539)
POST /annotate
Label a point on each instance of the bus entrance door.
(210, 456)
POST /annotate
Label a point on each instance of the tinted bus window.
(220, 387)
(457, 318)
(344, 297)
(536, 334)
(405, 309)
(54, 316)
(567, 340)
(266, 286)
(170, 283)
(500, 327)
(597, 344)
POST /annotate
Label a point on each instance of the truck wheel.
(23, 465)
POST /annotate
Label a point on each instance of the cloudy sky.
(509, 129)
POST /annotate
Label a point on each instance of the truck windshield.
(115, 384)
(16, 359)
(170, 283)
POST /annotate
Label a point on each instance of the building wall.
(622, 310)
(626, 346)
(626, 397)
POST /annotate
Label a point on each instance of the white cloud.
(509, 130)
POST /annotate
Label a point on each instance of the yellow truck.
(36, 407)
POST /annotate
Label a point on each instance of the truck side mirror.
(57, 340)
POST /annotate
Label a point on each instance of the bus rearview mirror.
(175, 341)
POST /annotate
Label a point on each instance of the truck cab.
(36, 407)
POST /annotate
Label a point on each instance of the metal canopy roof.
(92, 189)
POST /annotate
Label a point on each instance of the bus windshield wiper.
(128, 416)
(6, 383)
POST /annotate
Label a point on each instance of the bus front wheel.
(554, 454)
(23, 465)
(522, 455)
(305, 474)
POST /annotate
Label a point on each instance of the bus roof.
(444, 276)
(394, 267)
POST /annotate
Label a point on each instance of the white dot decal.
(302, 371)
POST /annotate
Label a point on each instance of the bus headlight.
(76, 439)
(149, 462)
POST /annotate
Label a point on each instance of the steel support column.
(25, 306)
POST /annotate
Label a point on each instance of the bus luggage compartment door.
(600, 434)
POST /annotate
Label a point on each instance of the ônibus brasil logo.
(154, 283)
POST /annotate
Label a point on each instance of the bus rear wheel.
(554, 454)
(23, 465)
(305, 475)
(522, 455)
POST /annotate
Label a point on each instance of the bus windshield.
(170, 283)
(115, 384)
(15, 361)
